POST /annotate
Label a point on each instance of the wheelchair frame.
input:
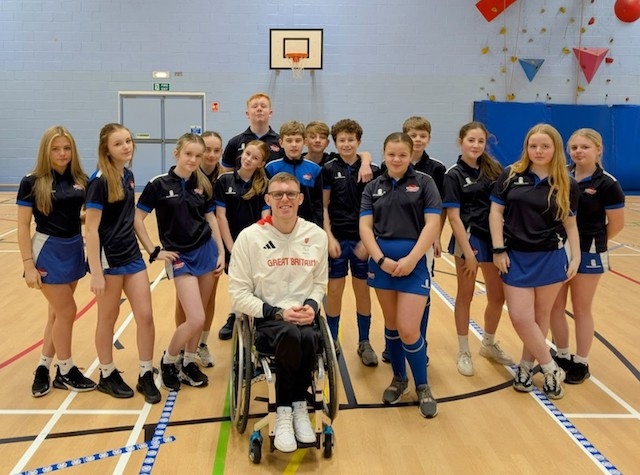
(248, 366)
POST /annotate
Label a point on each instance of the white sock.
(65, 366)
(204, 336)
(528, 365)
(45, 361)
(563, 353)
(188, 358)
(168, 359)
(145, 367)
(549, 367)
(107, 369)
(580, 359)
(463, 343)
(488, 339)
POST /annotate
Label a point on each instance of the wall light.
(161, 74)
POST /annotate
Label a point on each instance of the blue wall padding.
(619, 125)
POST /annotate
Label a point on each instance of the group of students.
(535, 229)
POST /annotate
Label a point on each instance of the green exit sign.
(161, 86)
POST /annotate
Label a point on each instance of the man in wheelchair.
(278, 275)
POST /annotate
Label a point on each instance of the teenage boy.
(259, 113)
(308, 173)
(419, 129)
(341, 201)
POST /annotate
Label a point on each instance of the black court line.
(346, 382)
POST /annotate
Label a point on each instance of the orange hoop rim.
(296, 57)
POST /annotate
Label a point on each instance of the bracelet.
(28, 259)
(154, 255)
(498, 250)
(381, 261)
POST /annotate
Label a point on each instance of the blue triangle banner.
(531, 67)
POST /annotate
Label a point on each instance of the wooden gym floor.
(483, 425)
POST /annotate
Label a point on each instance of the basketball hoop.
(296, 60)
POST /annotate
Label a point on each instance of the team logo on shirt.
(132, 185)
(197, 191)
(520, 181)
(274, 148)
(412, 188)
(468, 182)
(339, 175)
(379, 192)
(269, 245)
(590, 191)
(230, 191)
(306, 177)
(78, 186)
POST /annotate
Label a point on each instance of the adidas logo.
(269, 245)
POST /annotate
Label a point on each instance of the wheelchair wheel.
(331, 369)
(240, 375)
(328, 443)
(255, 449)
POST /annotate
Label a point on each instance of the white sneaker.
(495, 353)
(205, 356)
(465, 365)
(302, 424)
(284, 439)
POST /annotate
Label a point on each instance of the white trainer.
(284, 439)
(302, 424)
(204, 356)
(465, 365)
(495, 353)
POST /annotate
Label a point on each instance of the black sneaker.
(41, 382)
(113, 385)
(226, 332)
(191, 375)
(564, 363)
(577, 373)
(74, 380)
(147, 386)
(386, 356)
(169, 374)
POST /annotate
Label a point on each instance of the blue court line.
(153, 444)
(558, 415)
(158, 434)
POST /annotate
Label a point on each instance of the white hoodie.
(283, 270)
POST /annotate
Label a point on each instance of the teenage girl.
(115, 262)
(532, 216)
(210, 166)
(53, 258)
(183, 201)
(468, 186)
(240, 202)
(600, 217)
(399, 221)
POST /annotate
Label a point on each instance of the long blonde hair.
(202, 181)
(558, 178)
(43, 171)
(105, 164)
(260, 180)
(591, 135)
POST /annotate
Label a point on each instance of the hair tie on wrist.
(381, 261)
(154, 255)
(499, 250)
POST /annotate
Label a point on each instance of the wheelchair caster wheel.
(328, 444)
(255, 451)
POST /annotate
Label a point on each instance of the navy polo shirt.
(66, 201)
(309, 174)
(117, 238)
(341, 179)
(465, 189)
(432, 167)
(598, 193)
(228, 194)
(180, 210)
(530, 222)
(235, 146)
(398, 207)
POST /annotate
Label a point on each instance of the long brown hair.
(558, 178)
(43, 171)
(202, 181)
(260, 181)
(105, 164)
(490, 168)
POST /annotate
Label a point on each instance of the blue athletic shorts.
(594, 263)
(535, 269)
(418, 282)
(339, 267)
(128, 269)
(58, 260)
(196, 262)
(481, 248)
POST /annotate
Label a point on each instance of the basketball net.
(296, 61)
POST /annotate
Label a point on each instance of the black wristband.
(498, 250)
(381, 260)
(154, 255)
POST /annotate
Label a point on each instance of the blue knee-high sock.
(417, 357)
(334, 325)
(394, 345)
(364, 324)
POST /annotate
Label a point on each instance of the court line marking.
(62, 409)
(561, 419)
